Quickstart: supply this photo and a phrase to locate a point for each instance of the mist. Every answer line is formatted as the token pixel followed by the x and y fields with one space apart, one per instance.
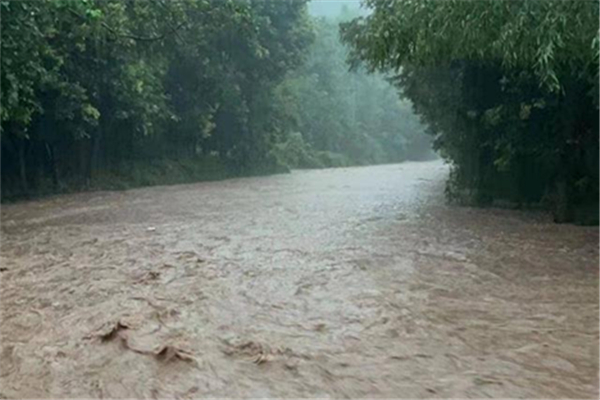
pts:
pixel 299 199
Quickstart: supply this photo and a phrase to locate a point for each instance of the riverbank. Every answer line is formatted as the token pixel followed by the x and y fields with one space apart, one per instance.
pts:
pixel 165 171
pixel 127 175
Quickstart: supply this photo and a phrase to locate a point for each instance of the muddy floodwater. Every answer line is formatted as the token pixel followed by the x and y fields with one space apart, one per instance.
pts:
pixel 353 282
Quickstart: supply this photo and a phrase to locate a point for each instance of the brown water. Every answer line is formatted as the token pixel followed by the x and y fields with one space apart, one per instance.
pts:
pixel 356 282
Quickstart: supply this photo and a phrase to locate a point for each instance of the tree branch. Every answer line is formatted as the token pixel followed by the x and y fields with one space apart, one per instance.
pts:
pixel 173 30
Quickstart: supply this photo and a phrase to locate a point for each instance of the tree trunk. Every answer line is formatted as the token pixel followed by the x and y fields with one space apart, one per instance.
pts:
pixel 94 155
pixel 561 210
pixel 22 166
pixel 83 167
pixel 571 112
pixel 53 166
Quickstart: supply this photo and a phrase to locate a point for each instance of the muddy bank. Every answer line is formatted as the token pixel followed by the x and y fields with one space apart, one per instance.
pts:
pixel 354 282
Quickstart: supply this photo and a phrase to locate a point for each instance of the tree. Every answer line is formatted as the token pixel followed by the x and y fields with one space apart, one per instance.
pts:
pixel 91 85
pixel 507 88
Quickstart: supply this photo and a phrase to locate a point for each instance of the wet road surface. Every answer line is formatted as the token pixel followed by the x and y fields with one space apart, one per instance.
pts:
pixel 355 282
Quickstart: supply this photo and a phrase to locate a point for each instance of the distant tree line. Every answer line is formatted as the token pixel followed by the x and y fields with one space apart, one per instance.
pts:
pixel 509 89
pixel 340 117
pixel 97 90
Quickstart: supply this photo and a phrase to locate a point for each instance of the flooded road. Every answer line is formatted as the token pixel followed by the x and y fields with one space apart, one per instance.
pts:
pixel 355 282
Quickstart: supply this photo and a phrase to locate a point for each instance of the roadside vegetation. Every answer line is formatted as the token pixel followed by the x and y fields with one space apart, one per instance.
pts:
pixel 113 94
pixel 509 90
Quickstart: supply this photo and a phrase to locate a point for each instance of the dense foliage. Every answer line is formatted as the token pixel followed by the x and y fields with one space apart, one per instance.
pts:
pixel 88 85
pixel 508 88
pixel 110 93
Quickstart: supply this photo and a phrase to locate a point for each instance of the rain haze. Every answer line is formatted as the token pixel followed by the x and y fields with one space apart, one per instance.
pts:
pixel 299 199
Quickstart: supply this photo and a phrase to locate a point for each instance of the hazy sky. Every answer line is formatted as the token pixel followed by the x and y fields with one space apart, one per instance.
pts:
pixel 330 8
